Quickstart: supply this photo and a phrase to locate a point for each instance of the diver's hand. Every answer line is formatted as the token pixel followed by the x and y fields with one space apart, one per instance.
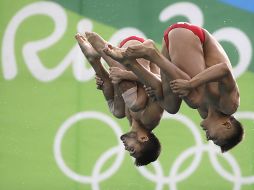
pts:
pixel 181 87
pixel 116 74
pixel 99 82
pixel 150 92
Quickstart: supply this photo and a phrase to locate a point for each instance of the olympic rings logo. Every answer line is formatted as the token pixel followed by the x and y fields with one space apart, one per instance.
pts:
pixel 174 176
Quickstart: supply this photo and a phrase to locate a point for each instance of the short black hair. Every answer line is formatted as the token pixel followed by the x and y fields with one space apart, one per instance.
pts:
pixel 150 151
pixel 236 137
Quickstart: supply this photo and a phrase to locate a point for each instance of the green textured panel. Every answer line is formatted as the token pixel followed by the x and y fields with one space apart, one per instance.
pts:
pixel 36 104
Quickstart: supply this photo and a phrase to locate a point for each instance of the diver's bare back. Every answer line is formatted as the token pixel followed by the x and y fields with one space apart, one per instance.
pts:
pixel 186 52
pixel 224 94
pixel 193 57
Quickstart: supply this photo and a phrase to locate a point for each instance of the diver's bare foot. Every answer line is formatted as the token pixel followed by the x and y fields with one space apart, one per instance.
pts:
pixel 96 41
pixel 144 50
pixel 87 49
pixel 115 53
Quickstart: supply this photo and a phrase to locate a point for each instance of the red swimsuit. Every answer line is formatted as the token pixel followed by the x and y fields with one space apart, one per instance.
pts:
pixel 195 29
pixel 131 38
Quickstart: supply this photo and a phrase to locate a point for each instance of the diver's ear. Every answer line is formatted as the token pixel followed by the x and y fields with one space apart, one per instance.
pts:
pixel 227 124
pixel 143 138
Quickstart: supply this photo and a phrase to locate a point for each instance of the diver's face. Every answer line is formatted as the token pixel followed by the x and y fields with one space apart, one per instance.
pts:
pixel 218 132
pixel 131 143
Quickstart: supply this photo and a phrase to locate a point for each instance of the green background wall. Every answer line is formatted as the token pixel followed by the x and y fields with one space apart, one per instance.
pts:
pixel 55 128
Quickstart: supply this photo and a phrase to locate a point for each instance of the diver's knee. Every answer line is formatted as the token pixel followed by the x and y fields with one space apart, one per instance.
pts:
pixel 119 114
pixel 131 100
pixel 140 102
pixel 151 124
pixel 116 112
pixel 152 120
pixel 172 110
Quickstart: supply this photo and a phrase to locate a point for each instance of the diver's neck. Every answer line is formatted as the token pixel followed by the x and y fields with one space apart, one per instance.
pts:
pixel 136 127
pixel 214 113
